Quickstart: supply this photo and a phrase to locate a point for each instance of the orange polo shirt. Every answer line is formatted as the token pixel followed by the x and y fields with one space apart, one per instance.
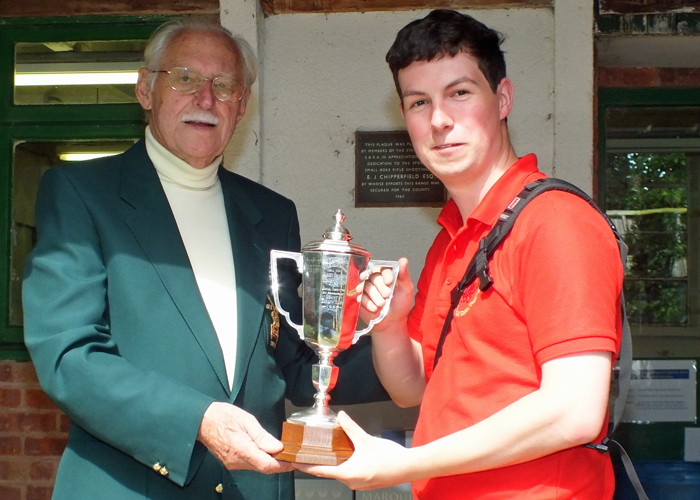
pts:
pixel 556 291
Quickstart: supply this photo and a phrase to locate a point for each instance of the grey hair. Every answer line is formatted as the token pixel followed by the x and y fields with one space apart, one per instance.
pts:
pixel 157 45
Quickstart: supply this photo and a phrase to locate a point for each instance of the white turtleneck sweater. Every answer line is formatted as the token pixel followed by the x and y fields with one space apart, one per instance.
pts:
pixel 197 201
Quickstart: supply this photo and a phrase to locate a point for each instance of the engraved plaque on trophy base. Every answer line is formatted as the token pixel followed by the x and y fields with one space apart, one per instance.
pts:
pixel 314 445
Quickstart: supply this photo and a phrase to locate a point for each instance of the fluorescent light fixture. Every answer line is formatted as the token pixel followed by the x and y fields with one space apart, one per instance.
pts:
pixel 86 156
pixel 58 74
pixel 81 78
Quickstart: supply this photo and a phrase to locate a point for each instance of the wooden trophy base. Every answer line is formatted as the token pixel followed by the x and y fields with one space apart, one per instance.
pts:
pixel 314 445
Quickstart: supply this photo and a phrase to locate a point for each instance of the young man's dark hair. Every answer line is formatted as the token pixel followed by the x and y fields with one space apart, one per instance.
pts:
pixel 446 33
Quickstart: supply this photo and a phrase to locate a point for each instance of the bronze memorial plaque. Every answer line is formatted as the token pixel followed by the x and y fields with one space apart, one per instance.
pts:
pixel 389 174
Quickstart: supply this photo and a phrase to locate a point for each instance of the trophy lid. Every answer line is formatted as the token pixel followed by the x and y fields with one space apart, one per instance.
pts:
pixel 336 239
pixel 337 232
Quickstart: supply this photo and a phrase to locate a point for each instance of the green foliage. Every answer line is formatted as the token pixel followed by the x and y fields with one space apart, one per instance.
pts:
pixel 656 282
pixel 654 302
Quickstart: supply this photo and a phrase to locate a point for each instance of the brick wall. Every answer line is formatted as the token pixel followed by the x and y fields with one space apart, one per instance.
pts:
pixel 33 434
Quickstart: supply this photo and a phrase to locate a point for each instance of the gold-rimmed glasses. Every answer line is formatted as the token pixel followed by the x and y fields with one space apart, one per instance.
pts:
pixel 225 88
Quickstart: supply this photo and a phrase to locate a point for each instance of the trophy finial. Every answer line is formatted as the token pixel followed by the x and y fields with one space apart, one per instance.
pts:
pixel 337 232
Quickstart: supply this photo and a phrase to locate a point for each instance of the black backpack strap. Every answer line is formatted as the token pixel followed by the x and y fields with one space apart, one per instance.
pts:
pixel 479 267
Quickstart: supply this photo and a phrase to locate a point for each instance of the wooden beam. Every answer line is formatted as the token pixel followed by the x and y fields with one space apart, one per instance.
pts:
pixel 327 6
pixel 647 6
pixel 57 8
pixel 648 77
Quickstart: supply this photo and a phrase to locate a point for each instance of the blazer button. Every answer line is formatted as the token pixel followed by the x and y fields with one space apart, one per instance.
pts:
pixel 220 488
pixel 160 468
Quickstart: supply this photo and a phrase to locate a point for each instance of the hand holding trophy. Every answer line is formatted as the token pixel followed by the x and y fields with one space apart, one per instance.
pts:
pixel 331 271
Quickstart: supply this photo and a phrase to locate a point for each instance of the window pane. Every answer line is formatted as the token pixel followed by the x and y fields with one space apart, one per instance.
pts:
pixel 647 198
pixel 656 302
pixel 92 72
pixel 31 160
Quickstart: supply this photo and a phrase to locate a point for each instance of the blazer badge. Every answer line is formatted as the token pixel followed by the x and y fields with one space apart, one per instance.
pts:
pixel 275 324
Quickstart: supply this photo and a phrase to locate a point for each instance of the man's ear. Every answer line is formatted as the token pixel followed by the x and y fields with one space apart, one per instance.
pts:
pixel 505 95
pixel 143 89
pixel 242 104
pixel 401 109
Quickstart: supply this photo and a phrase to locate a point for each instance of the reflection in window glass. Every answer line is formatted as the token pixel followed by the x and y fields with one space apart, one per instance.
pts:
pixel 647 198
pixel 31 160
pixel 647 195
pixel 88 72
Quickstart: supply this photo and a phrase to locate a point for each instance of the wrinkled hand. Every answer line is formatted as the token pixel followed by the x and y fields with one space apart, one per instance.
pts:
pixel 376 289
pixel 236 438
pixel 376 463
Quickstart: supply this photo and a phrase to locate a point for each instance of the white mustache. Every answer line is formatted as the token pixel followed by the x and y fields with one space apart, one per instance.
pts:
pixel 201 117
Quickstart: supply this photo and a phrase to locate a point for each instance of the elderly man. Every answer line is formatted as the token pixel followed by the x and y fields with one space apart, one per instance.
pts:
pixel 147 307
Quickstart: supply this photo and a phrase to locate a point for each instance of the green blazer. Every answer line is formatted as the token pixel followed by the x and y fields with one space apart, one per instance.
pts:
pixel 123 344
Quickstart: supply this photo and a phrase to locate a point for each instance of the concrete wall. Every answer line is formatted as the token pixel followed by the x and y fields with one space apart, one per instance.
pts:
pixel 323 77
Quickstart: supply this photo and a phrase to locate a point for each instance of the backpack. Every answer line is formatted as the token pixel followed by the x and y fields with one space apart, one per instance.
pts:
pixel 479 268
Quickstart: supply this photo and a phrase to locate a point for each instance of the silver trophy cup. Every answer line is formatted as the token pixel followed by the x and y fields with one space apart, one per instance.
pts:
pixel 331 271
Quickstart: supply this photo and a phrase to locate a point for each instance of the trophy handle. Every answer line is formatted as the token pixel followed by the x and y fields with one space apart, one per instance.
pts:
pixel 299 259
pixel 394 265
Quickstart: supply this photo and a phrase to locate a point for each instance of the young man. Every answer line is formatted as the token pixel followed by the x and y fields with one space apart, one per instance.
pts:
pixel 524 377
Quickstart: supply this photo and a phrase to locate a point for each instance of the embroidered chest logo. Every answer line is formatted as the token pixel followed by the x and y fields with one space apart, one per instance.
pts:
pixel 275 325
pixel 468 299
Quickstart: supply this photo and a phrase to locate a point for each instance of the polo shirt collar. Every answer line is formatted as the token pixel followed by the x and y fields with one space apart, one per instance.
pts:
pixel 495 200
